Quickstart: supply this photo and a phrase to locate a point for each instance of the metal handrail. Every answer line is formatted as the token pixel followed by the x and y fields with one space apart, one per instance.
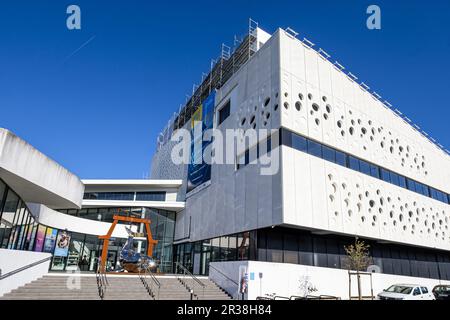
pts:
pixel 194 279
pixel 102 281
pixel 145 271
pixel 26 267
pixel 235 283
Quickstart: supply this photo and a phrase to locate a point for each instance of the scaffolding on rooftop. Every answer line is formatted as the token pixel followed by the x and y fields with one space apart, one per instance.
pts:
pixel 221 70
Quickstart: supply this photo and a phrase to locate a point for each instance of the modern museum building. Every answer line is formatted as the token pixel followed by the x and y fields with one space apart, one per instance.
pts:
pixel 319 159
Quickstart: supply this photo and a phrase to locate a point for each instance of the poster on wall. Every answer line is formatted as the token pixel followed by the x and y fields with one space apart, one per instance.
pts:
pixel 50 239
pixel 243 280
pixel 62 244
pixel 199 172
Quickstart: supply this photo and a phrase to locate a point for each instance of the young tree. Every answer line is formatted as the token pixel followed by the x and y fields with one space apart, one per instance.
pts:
pixel 358 256
pixel 358 259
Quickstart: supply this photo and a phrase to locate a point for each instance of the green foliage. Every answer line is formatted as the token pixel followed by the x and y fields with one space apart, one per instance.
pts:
pixel 358 257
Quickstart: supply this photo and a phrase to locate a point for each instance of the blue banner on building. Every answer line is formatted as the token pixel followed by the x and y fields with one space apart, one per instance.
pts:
pixel 199 172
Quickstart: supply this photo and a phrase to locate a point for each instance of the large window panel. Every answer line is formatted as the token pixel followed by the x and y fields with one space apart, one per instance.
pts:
pixel 314 148
pixel 353 163
pixel 328 154
pixel 299 143
pixel 320 252
pixel 290 248
pixel 274 247
pixel 306 256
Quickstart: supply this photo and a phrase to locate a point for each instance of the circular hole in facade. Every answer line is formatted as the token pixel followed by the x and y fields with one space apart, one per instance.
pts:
pixel 351 130
pixel 324 99
pixel 310 96
pixel 371 203
pixel 298 105
pixel 328 108
pixel 286 94
pixel 325 116
pixel 267 115
pixel 252 119
pixel 243 121
pixel 266 102
pixel 339 124
pixel 300 96
pixel 286 105
pixel 317 121
pixel 275 107
pixel 315 107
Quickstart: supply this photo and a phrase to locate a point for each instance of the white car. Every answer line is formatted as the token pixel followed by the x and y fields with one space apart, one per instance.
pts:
pixel 406 292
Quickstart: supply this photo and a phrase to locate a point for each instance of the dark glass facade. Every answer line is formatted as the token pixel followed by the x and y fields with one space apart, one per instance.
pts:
pixel 196 256
pixel 314 148
pixel 20 231
pixel 126 196
pixel 17 225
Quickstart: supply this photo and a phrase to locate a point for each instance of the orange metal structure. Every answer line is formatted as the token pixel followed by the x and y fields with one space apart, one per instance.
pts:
pixel 150 241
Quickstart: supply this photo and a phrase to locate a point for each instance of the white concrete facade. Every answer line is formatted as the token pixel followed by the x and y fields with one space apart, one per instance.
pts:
pixel 36 177
pixel 287 84
pixel 284 279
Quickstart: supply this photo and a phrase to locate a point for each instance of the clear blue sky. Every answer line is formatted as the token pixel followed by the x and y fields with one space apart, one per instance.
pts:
pixel 98 111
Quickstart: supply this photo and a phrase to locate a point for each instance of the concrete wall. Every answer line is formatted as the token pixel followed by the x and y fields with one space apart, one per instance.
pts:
pixel 35 177
pixel 375 127
pixel 242 200
pixel 11 260
pixel 55 219
pixel 286 279
pixel 321 195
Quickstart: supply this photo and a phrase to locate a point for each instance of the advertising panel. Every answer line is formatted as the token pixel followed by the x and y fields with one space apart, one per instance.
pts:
pixel 199 172
pixel 62 244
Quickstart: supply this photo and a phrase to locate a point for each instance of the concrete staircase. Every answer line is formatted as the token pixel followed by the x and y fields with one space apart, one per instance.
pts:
pixel 78 287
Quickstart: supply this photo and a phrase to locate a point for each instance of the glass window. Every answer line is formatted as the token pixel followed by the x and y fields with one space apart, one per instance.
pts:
pixel 341 158
pixel 385 175
pixel 314 148
pixel 328 154
pixel 2 194
pixel 320 252
pixel 122 196
pixel 151 196
pixel 305 250
pixel 374 171
pixel 274 246
pixel 262 243
pixel 286 137
pixel 224 112
pixel 243 242
pixel 394 179
pixel 411 185
pixel 402 181
pixel 416 291
pixel 424 290
pixel 299 143
pixel 50 240
pixel 290 248
pixel 8 217
pixel 40 237
pixel 364 167
pixel 353 163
